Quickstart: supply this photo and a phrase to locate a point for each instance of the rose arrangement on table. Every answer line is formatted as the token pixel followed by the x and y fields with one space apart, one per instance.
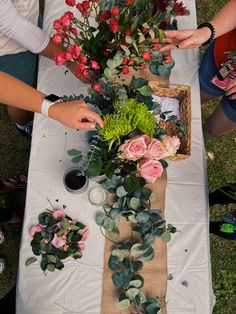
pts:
pixel 56 237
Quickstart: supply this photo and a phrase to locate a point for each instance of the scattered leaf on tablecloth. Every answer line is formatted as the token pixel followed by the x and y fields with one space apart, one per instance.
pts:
pixel 170 277
pixel 210 156
pixel 30 261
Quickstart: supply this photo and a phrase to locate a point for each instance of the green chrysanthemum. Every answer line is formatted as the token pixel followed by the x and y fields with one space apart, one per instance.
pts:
pixel 128 116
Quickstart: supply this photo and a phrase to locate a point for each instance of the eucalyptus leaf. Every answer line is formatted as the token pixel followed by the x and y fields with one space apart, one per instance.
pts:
pixel 51 267
pixel 124 304
pixel 135 203
pixel 166 236
pixel 30 261
pixel 126 50
pixel 131 293
pixel 116 280
pixel 51 259
pixel 114 263
pixel 76 159
pixel 143 216
pixel 135 283
pixel 119 254
pixel 100 218
pixel 113 234
pixel 121 192
pixel 145 90
pixel 149 238
pixel 74 152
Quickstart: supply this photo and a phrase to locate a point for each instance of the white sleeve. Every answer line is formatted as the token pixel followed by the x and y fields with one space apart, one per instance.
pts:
pixel 19 29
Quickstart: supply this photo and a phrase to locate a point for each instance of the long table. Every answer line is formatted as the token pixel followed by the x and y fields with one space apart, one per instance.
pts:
pixel 78 287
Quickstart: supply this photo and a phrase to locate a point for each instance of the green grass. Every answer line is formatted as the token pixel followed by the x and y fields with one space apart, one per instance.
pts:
pixel 14 151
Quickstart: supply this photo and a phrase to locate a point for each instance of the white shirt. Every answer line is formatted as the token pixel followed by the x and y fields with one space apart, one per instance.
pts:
pixel 18 27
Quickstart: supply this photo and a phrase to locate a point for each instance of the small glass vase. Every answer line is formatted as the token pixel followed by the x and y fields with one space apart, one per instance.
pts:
pixel 74 182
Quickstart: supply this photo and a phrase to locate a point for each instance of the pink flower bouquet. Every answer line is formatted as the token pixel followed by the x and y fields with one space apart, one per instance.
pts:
pixel 56 237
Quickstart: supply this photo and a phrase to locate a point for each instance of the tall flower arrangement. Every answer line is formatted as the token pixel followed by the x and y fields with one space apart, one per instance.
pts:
pixel 93 33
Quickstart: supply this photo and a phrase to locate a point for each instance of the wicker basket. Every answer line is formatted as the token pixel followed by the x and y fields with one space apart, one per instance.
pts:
pixel 183 94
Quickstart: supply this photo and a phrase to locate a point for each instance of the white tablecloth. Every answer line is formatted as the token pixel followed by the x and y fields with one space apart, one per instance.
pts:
pixel 77 288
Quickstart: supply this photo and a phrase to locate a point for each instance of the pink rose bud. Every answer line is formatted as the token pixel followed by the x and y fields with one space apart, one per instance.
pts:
pixel 150 170
pixel 97 87
pixel 85 233
pixel 75 51
pixel 59 58
pixel 57 24
pixel 65 21
pixel 81 245
pixel 70 15
pixel 70 2
pixel 56 39
pixel 94 65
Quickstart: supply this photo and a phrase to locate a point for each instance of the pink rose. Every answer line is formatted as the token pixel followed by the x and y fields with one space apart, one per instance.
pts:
pixel 35 229
pixel 75 51
pixel 171 144
pixel 135 148
pixel 65 20
pixel 58 213
pixel 150 170
pixel 85 233
pixel 155 150
pixel 58 242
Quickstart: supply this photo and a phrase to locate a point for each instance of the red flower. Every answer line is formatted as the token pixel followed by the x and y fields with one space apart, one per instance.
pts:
pixel 97 87
pixel 114 26
pixel 70 15
pixel 82 59
pixel 105 16
pixel 125 60
pixel 168 59
pixel 70 2
pixel 115 11
pixel 56 39
pixel 128 32
pixel 128 2
pixel 94 65
pixel 57 24
pixel 75 51
pixel 155 47
pixel 147 55
pixel 59 58
pixel 125 70
pixel 74 30
pixel 80 7
pixel 65 20
pixel 86 4
pixel 142 65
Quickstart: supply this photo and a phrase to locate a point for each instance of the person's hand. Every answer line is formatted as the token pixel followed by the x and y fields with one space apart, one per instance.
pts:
pixel 231 90
pixel 75 114
pixel 188 38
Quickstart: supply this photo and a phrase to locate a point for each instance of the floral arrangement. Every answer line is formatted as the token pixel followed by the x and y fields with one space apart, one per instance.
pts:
pixel 56 237
pixel 92 35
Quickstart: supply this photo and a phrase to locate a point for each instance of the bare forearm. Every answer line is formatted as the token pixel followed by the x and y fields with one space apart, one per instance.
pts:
pixel 51 49
pixel 225 20
pixel 17 94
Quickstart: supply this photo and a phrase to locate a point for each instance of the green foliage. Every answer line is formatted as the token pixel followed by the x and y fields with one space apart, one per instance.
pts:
pixel 128 116
pixel 132 202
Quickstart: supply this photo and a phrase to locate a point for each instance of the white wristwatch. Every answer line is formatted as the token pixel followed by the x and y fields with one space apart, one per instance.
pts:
pixel 49 101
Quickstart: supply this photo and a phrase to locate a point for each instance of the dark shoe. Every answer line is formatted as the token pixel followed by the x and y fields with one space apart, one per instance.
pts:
pixel 225 195
pixel 27 131
pixel 223 230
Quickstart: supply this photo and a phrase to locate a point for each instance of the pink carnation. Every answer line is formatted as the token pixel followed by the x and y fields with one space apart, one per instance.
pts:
pixel 35 229
pixel 150 170
pixel 135 148
pixel 171 144
pixel 58 213
pixel 155 150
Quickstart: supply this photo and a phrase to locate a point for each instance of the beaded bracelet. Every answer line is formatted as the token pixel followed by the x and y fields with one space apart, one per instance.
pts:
pixel 212 29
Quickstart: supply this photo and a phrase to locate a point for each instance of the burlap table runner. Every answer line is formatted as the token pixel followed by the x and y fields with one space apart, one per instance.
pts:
pixel 154 271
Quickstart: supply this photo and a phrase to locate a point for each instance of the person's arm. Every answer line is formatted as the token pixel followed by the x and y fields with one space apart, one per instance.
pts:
pixel 74 114
pixel 223 22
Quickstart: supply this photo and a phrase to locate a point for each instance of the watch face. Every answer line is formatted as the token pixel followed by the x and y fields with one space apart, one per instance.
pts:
pixel 52 98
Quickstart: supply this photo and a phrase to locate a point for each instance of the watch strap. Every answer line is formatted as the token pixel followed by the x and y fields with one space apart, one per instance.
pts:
pixel 49 101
